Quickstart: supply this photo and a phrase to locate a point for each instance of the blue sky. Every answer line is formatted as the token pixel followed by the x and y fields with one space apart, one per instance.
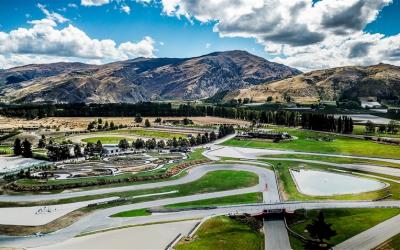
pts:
pixel 179 28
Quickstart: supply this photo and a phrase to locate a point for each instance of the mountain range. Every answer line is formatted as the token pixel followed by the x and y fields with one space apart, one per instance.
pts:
pixel 227 75
pixel 141 79
pixel 352 82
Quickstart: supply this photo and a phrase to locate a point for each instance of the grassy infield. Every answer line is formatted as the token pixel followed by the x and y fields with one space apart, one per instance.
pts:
pixel 346 222
pixel 224 233
pixel 339 145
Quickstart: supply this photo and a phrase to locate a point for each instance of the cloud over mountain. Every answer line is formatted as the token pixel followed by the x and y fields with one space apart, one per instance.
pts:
pixel 302 33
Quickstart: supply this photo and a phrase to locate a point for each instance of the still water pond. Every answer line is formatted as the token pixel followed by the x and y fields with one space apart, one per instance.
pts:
pixel 322 183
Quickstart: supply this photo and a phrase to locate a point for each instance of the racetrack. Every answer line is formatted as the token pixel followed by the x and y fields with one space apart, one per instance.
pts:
pixel 100 219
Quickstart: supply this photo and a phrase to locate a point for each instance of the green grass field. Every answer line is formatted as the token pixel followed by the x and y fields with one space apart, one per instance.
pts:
pixel 346 222
pixel 228 200
pixel 132 213
pixel 150 133
pixel 223 233
pixel 339 145
pixel 360 130
pixel 105 139
pixel 6 150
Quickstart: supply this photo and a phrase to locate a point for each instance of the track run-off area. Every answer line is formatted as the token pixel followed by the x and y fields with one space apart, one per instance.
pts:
pixel 247 159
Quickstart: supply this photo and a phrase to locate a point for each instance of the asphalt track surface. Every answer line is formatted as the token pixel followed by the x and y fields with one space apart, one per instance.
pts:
pixel 193 174
pixel 100 220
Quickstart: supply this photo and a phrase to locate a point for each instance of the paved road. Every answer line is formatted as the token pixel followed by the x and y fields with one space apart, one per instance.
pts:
pixel 193 174
pixel 155 236
pixel 100 220
pixel 373 236
pixel 276 235
pixel 218 151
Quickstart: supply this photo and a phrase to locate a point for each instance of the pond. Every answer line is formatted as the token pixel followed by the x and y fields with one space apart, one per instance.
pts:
pixel 323 183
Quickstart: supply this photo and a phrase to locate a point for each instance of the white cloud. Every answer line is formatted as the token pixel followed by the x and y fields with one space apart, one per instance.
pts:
pixel 208 45
pixel 126 9
pixel 143 1
pixel 45 42
pixel 144 48
pixel 72 5
pixel 52 15
pixel 299 33
pixel 94 2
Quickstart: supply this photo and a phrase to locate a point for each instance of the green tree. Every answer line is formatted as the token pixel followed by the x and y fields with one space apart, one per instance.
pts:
pixel 269 99
pixel 138 144
pixel 77 150
pixel 320 230
pixel 42 142
pixel 99 147
pixel 370 127
pixel 161 144
pixel 203 139
pixel 157 120
pixel 26 148
pixel 17 147
pixel 382 128
pixel 174 142
pixel 151 144
pixel 192 141
pixel 138 118
pixel 112 125
pixel 186 121
pixel 90 126
pixel 213 136
pixel 393 127
pixel 198 139
pixel 123 144
pixel 147 123
pixel 183 142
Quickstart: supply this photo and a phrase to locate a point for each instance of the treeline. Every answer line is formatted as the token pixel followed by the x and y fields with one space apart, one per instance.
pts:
pixel 279 117
pixel 282 117
pixel 322 122
pixel 31 111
